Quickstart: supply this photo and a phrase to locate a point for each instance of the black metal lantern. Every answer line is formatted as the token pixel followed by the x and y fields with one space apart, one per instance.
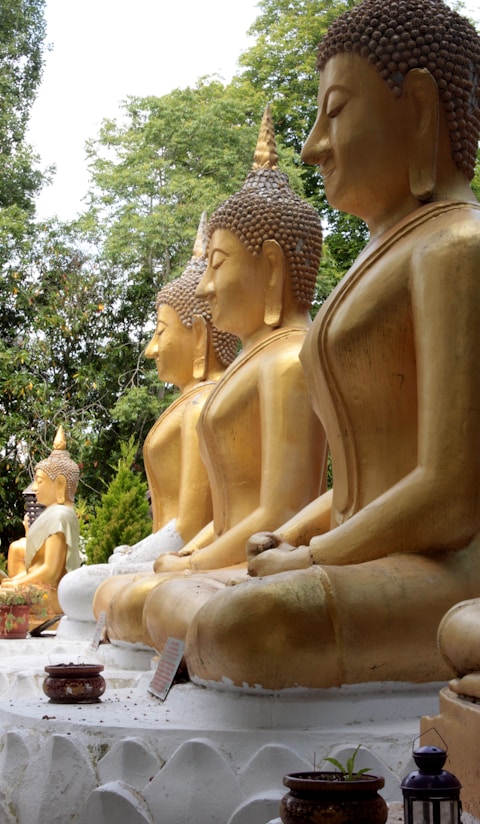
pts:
pixel 32 508
pixel 431 795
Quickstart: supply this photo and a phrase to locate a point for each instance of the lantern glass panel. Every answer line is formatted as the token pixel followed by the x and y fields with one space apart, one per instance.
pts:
pixel 434 811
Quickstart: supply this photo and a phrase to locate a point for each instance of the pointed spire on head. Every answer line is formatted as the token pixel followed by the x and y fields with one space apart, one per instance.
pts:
pixel 266 156
pixel 201 240
pixel 60 442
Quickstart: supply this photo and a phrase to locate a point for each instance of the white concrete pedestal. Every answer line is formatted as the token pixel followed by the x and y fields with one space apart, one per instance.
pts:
pixel 200 757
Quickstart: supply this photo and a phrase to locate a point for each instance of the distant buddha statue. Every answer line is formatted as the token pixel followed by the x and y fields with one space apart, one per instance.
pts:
pixel 52 540
pixel 190 353
pixel 264 449
pixel 352 588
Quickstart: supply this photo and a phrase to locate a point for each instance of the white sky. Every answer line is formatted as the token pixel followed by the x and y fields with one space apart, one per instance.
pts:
pixel 105 50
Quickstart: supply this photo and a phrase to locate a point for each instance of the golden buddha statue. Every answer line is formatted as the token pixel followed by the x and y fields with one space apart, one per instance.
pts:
pixel 190 353
pixel 352 588
pixel 52 540
pixel 263 447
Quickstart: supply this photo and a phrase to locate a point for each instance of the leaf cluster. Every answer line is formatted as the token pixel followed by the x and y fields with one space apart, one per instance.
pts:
pixel 348 770
pixel 122 517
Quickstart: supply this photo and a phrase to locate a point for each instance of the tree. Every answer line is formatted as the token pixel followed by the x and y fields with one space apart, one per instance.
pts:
pixel 64 360
pixel 22 36
pixel 122 516
pixel 156 171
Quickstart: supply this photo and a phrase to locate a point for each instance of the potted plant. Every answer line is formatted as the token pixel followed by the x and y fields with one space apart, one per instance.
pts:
pixel 344 796
pixel 16 604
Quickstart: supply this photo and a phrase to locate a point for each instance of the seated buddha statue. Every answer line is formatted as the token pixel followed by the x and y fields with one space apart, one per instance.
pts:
pixel 51 547
pixel 262 445
pixel 352 588
pixel 190 353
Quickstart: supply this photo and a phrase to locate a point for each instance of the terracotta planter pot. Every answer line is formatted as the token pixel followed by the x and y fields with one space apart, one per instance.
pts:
pixel 328 798
pixel 74 683
pixel 14 620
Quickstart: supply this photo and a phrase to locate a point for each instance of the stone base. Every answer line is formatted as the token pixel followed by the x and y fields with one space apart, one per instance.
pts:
pixel 200 756
pixel 459 725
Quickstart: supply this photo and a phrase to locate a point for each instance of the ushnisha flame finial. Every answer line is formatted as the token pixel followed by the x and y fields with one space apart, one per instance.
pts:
pixel 60 442
pixel 201 240
pixel 266 156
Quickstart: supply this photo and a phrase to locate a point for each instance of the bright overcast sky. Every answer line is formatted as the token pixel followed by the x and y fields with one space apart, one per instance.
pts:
pixel 103 51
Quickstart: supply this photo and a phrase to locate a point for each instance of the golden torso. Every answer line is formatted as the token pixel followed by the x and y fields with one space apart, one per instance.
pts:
pixel 234 425
pixel 361 358
pixel 167 448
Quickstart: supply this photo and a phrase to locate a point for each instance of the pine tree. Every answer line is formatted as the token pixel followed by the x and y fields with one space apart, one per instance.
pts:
pixel 122 516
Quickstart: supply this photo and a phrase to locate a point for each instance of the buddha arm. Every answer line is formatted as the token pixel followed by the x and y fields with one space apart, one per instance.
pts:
pixel 194 499
pixel 293 451
pixel 48 565
pixel 437 505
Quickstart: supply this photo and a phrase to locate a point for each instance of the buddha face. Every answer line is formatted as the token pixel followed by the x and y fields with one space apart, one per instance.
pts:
pixel 234 285
pixel 172 347
pixel 360 143
pixel 45 488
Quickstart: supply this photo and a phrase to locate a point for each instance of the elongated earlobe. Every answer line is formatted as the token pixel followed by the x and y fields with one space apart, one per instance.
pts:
pixel 275 280
pixel 201 334
pixel 422 95
pixel 61 488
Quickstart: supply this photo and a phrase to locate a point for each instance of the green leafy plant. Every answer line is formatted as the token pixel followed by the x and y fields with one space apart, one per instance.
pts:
pixel 22 594
pixel 348 769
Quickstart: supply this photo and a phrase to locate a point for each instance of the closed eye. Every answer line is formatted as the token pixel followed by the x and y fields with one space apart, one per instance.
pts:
pixel 335 111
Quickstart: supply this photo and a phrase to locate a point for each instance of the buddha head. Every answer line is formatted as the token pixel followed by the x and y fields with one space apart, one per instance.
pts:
pixel 56 477
pixel 186 342
pixel 262 229
pixel 421 122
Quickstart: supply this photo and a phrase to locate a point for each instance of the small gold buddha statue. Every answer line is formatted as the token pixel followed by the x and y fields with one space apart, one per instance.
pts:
pixel 52 541
pixel 262 445
pixel 352 588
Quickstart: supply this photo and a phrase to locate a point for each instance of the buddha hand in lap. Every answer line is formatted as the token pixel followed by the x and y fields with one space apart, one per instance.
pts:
pixel 356 584
pixel 53 538
pixel 263 447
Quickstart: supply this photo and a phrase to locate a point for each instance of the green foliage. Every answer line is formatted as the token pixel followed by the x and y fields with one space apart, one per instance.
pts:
pixel 22 36
pixel 476 180
pixel 156 171
pixel 348 769
pixel 122 516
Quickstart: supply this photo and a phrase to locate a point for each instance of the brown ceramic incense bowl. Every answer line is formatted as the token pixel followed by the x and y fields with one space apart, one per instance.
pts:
pixel 74 683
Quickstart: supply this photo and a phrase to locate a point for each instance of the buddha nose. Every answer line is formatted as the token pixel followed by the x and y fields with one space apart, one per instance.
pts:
pixel 151 350
pixel 317 146
pixel 205 287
